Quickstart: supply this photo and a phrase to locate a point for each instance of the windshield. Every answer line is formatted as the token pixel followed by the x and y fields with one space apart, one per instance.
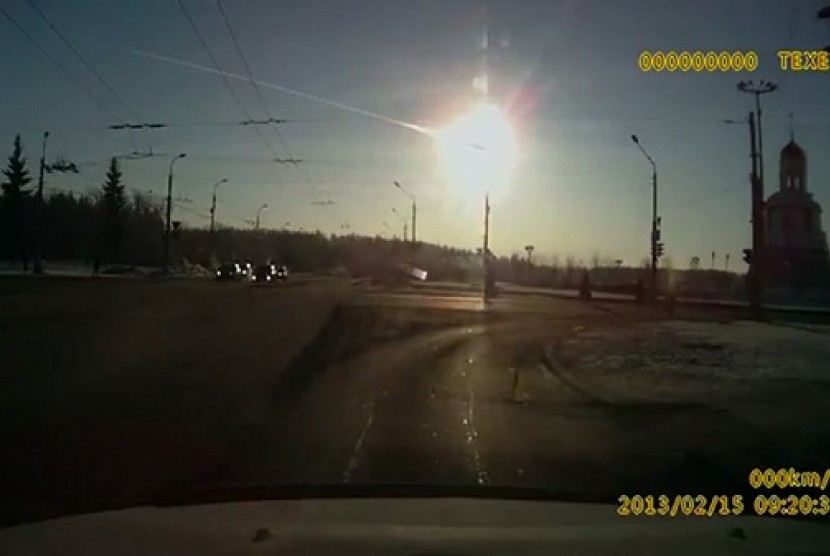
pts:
pixel 569 246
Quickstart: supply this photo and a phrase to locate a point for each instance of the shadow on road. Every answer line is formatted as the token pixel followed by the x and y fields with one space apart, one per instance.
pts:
pixel 352 330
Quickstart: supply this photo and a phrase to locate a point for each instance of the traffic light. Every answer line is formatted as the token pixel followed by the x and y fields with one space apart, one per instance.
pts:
pixel 659 248
pixel 748 256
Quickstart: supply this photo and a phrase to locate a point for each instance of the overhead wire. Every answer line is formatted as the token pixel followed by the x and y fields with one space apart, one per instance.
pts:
pixel 218 68
pixel 90 68
pixel 250 75
pixel 190 210
pixel 68 74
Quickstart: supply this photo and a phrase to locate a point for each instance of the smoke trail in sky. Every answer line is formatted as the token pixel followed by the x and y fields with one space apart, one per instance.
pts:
pixel 183 63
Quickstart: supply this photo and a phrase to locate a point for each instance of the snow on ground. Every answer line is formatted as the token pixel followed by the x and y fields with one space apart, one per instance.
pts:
pixel 689 360
pixel 80 269
pixel 52 268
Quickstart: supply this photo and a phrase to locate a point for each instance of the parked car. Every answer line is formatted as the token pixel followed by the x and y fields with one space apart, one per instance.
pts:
pixel 264 274
pixel 229 271
pixel 247 268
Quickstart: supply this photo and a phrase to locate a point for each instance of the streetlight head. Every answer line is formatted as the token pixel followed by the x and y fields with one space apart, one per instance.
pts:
pixel 224 180
pixel 397 184
pixel 634 138
pixel 182 155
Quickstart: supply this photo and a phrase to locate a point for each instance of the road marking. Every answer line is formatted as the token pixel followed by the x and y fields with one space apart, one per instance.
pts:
pixel 358 445
pixel 472 435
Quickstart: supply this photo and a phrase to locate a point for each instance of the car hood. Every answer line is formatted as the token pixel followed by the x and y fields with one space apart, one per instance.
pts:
pixel 407 526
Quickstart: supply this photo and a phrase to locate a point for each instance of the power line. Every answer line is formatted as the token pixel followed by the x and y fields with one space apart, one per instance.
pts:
pixel 160 125
pixel 290 158
pixel 68 74
pixel 85 63
pixel 258 90
pixel 251 78
pixel 222 75
pixel 193 212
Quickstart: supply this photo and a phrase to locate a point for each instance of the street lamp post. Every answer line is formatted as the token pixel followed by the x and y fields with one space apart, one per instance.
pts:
pixel 757 262
pixel 213 204
pixel 655 231
pixel 758 89
pixel 755 274
pixel 169 207
pixel 824 13
pixel 414 209
pixel 403 220
pixel 258 213
pixel 487 288
pixel 37 265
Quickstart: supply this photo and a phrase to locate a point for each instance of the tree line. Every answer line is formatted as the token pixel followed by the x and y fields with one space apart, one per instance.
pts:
pixel 108 225
pixel 111 226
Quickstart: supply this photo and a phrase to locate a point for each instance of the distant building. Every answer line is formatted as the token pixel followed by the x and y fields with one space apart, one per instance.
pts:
pixel 797 252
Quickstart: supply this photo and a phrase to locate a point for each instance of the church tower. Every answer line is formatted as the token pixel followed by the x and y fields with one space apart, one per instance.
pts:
pixel 793 167
pixel 797 251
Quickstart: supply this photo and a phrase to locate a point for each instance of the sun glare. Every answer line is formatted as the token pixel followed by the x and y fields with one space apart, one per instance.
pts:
pixel 478 150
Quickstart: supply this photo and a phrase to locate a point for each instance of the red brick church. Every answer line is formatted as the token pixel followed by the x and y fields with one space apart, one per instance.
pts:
pixel 796 245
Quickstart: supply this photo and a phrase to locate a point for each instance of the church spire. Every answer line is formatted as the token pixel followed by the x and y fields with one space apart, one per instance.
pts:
pixel 793 165
pixel 792 129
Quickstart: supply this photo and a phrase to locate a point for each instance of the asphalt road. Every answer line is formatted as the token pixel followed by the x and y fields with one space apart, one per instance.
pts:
pixel 391 389
pixel 446 407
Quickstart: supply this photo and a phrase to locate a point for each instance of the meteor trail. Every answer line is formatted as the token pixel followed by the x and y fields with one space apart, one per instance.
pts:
pixel 183 63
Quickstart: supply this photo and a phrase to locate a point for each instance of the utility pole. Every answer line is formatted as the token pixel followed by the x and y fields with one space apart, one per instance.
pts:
pixel 757 259
pixel 758 89
pixel 59 165
pixel 37 264
pixel 403 220
pixel 169 208
pixel 213 204
pixel 258 213
pixel 414 209
pixel 726 262
pixel 655 220
pixel 824 13
pixel 485 252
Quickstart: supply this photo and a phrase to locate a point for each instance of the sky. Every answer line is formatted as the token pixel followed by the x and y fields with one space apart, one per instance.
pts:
pixel 564 71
